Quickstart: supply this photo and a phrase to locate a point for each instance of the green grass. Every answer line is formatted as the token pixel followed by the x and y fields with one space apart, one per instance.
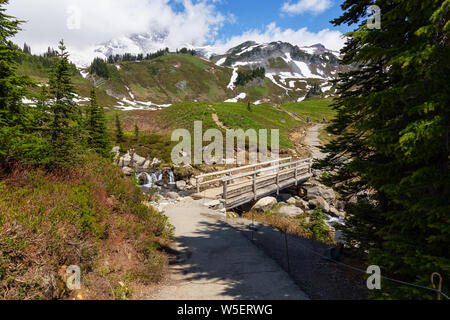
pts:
pixel 314 109
pixel 38 68
pixel 156 80
pixel 233 116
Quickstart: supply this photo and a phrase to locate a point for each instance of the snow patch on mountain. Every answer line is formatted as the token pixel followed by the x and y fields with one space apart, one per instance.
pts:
pixel 241 96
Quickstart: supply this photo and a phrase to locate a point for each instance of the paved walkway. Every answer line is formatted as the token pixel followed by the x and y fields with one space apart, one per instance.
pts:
pixel 219 263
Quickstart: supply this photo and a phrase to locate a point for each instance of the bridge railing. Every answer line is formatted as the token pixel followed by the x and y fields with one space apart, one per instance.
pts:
pixel 280 174
pixel 200 179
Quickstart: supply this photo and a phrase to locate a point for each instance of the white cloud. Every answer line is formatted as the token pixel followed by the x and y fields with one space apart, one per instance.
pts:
pixel 330 39
pixel 314 6
pixel 48 21
pixel 193 22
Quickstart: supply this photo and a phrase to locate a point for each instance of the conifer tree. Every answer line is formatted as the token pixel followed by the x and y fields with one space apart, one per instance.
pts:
pixel 65 126
pixel 96 126
pixel 14 115
pixel 136 132
pixel 393 124
pixel 119 133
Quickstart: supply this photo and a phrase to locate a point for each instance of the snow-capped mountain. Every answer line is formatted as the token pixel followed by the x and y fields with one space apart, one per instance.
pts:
pixel 289 67
pixel 134 44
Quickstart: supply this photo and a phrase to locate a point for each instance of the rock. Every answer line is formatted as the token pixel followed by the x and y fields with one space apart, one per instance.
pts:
pixel 127 171
pixel 328 194
pixel 232 215
pixel 302 204
pixel 291 211
pixel 333 211
pixel 138 160
pixel 125 161
pixel 193 182
pixel 215 205
pixel 181 185
pixel 172 195
pixel 146 165
pixel 264 204
pixel 321 191
pixel 115 150
pixel 320 203
pixel 316 173
pixel 313 193
pixel 156 162
pixel 340 205
pixel 292 201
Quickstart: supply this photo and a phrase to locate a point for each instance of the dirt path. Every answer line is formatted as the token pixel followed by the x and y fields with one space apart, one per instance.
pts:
pixel 313 142
pixel 219 263
pixel 218 122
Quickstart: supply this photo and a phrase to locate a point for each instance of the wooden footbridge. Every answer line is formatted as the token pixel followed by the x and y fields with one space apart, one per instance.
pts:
pixel 242 185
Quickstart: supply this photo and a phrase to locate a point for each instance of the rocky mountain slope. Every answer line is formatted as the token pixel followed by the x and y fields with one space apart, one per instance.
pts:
pixel 292 74
pixel 297 71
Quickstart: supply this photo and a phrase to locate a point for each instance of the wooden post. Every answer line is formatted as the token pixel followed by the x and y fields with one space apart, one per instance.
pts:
pixel 254 186
pixel 278 182
pixel 296 176
pixel 225 190
pixel 198 185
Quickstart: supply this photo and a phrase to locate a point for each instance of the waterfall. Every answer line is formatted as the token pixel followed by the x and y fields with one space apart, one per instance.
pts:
pixel 171 178
pixel 151 179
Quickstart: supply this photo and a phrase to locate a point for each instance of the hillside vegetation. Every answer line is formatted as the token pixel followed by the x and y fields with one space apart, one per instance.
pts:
pixel 90 216
pixel 316 110
pixel 167 79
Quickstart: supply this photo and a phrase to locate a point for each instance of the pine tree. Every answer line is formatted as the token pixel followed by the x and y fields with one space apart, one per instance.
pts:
pixel 97 129
pixel 14 116
pixel 136 132
pixel 119 133
pixel 393 123
pixel 65 126
pixel 26 49
pixel 100 68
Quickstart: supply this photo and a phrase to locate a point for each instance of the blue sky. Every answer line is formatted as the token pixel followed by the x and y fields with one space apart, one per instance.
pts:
pixel 256 14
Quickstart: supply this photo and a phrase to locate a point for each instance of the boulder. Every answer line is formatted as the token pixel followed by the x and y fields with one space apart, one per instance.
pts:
pixel 291 211
pixel 328 194
pixel 313 193
pixel 333 211
pixel 215 205
pixel 181 185
pixel 320 203
pixel 172 195
pixel 146 165
pixel 138 160
pixel 264 204
pixel 193 182
pixel 302 204
pixel 127 171
pixel 125 161
pixel 321 191
pixel 156 162
pixel 292 201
